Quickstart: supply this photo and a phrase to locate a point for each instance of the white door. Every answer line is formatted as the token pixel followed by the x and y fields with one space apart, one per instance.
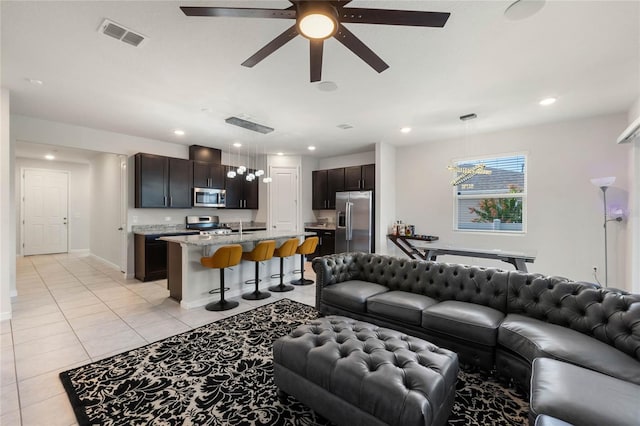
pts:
pixel 283 198
pixel 45 211
pixel 124 235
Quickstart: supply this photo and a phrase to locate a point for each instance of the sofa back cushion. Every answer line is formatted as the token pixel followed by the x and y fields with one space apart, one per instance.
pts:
pixel 440 281
pixel 610 316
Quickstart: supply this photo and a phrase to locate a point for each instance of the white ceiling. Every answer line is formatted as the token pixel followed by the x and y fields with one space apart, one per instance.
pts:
pixel 587 53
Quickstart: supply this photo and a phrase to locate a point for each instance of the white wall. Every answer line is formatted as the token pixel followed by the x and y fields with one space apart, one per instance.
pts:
pixel 7 211
pixel 309 164
pixel 633 246
pixel 385 196
pixel 79 199
pixel 105 208
pixel 347 160
pixel 564 209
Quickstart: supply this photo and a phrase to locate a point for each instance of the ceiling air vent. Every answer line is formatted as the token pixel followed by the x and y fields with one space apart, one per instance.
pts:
pixel 121 33
pixel 249 125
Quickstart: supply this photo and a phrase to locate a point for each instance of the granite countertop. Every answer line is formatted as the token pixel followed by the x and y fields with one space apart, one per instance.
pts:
pixel 321 226
pixel 161 229
pixel 246 237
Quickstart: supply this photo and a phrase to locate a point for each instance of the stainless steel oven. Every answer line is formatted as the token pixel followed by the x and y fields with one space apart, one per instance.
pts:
pixel 208 197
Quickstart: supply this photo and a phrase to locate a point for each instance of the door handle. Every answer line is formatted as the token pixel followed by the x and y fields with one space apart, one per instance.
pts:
pixel 170 201
pixel 120 229
pixel 165 201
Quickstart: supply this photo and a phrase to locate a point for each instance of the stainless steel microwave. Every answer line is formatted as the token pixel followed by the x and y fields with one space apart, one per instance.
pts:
pixel 208 197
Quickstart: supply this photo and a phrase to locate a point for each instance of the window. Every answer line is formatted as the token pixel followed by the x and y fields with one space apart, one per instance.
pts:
pixel 490 194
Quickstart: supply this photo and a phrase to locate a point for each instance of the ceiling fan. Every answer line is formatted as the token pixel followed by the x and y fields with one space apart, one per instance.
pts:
pixel 318 20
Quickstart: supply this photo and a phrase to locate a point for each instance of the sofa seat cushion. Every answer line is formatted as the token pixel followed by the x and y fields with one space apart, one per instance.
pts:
pixel 351 295
pixel 462 320
pixel 400 305
pixel 531 338
pixel 582 397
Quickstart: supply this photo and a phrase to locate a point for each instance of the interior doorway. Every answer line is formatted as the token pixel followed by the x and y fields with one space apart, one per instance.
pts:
pixel 45 211
pixel 283 198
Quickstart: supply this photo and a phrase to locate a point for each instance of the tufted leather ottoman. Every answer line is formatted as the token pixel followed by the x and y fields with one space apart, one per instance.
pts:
pixel 356 373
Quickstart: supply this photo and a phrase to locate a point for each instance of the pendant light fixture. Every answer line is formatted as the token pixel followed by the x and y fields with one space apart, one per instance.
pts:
pixel 230 173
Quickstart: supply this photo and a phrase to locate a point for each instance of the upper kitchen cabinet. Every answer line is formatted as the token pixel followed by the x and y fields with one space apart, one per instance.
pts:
pixel 360 178
pixel 162 181
pixel 242 194
pixel 205 154
pixel 325 184
pixel 208 175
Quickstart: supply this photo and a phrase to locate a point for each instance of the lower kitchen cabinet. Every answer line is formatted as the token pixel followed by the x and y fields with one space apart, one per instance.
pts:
pixel 326 243
pixel 151 256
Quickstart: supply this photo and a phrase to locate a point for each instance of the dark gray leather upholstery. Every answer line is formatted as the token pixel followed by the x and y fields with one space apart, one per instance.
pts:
pixel 352 295
pixel 466 321
pixel 440 281
pixel 377 372
pixel 596 329
pixel 531 338
pixel 543 420
pixel 582 397
pixel 609 316
pixel 400 306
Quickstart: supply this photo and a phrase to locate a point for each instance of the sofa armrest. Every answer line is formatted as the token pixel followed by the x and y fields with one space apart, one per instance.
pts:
pixel 333 269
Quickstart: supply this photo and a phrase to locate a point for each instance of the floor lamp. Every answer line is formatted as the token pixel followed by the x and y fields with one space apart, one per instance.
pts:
pixel 603 183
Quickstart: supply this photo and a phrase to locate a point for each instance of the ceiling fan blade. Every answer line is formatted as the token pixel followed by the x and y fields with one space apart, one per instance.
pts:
pixel 315 54
pixel 393 17
pixel 272 46
pixel 239 12
pixel 354 44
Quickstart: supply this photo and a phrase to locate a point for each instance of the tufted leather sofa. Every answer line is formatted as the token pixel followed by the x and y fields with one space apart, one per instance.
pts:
pixel 493 319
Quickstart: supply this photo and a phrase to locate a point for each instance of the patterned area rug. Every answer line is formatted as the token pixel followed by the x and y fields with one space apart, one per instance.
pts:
pixel 221 374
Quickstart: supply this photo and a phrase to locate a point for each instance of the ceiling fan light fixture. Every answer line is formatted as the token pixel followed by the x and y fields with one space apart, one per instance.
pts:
pixel 317 21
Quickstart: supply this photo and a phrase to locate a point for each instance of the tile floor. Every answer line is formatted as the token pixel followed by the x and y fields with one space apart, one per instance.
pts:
pixel 72 310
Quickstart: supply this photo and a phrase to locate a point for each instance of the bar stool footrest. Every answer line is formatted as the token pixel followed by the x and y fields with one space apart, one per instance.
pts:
pixel 217 290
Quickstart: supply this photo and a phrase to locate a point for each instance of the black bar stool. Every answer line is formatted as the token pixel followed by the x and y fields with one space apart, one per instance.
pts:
pixel 287 249
pixel 261 252
pixel 224 257
pixel 307 247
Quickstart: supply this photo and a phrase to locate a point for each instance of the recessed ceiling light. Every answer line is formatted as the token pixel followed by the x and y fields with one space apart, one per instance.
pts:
pixel 237 144
pixel 280 153
pixel 311 148
pixel 35 81
pixel 179 132
pixel 548 101
pixel 405 129
pixel 50 157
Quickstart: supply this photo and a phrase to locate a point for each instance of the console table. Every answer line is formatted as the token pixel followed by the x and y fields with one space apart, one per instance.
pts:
pixel 431 251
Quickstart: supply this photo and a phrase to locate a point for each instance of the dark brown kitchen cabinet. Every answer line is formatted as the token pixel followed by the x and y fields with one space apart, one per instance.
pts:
pixel 150 258
pixel 325 184
pixel 208 175
pixel 242 194
pixel 326 243
pixel 162 181
pixel 360 178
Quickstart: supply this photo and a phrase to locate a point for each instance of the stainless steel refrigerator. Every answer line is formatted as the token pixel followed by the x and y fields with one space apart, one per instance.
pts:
pixel 354 221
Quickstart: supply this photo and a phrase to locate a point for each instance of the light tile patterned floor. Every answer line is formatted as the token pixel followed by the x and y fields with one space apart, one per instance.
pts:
pixel 73 309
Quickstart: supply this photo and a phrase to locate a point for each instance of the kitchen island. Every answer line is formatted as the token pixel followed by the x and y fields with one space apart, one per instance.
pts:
pixel 189 282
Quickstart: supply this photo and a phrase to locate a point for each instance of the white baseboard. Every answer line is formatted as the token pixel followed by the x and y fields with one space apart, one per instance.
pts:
pixel 79 251
pixel 129 276
pixel 5 316
pixel 13 293
pixel 105 261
